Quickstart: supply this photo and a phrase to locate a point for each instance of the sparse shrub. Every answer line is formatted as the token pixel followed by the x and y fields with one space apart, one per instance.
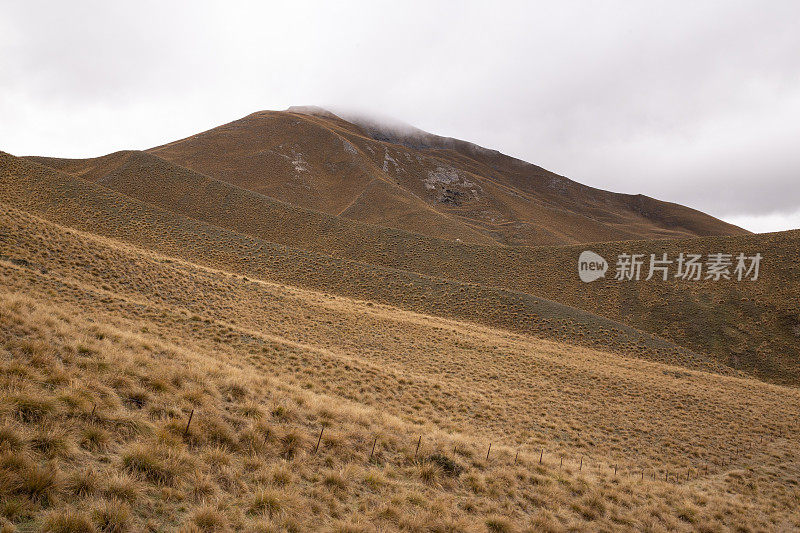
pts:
pixel 156 464
pixel 334 480
pixel 30 409
pixel 122 487
pixel 10 438
pixel 39 482
pixel 51 442
pixel 267 501
pixel 112 516
pixel 208 518
pixel 81 483
pixel 498 524
pixel 67 521
pixel 94 438
pixel 448 466
pixel 291 443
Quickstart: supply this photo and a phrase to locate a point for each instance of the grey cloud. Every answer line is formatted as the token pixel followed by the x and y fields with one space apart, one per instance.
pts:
pixel 694 102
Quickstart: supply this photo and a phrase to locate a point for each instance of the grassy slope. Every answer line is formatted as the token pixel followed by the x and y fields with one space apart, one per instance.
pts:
pixel 105 348
pixel 87 206
pixel 327 164
pixel 313 166
pixel 750 326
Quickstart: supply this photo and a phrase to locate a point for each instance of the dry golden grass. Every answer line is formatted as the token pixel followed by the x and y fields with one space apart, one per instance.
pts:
pixel 427 184
pixel 106 349
pixel 753 327
pixel 79 204
pixel 238 469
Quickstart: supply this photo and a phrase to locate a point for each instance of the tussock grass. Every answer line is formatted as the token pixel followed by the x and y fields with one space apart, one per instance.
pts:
pixel 158 464
pixel 456 385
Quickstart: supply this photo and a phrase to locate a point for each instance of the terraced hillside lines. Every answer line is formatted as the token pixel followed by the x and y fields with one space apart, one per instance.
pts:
pixel 314 159
pixel 98 382
pixel 83 205
pixel 759 337
pixel 307 164
pixel 297 328
pixel 518 387
pixel 115 454
pixel 749 325
pixel 151 179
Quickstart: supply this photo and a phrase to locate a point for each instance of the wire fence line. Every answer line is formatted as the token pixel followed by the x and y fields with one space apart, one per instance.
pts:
pixel 547 459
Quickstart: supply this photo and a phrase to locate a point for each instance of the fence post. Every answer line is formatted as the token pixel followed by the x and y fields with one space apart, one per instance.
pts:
pixel 186 431
pixel 373 447
pixel 488 451
pixel 540 456
pixel 516 457
pixel 418 443
pixel 581 466
pixel 319 439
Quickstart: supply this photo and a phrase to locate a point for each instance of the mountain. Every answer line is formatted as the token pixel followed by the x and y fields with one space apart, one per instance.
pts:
pixel 87 206
pixel 301 322
pixel 422 183
pixel 148 384
pixel 704 317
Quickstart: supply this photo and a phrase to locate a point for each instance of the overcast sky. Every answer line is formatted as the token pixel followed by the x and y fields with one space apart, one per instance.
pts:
pixel 692 102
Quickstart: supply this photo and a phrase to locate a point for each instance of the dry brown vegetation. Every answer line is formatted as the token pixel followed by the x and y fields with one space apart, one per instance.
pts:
pixel 754 327
pixel 429 185
pixel 80 204
pixel 98 384
pixel 182 353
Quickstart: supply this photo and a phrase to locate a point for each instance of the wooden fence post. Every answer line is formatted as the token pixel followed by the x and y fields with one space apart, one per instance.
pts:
pixel 488 451
pixel 319 439
pixel 373 447
pixel 186 431
pixel 418 443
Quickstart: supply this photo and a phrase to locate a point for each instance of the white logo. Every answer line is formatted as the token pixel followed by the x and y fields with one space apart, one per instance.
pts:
pixel 686 267
pixel 591 266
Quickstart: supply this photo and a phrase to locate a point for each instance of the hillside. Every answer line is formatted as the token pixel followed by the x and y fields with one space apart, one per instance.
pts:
pixel 296 322
pixel 109 349
pixel 759 337
pixel 423 184
pixel 84 205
